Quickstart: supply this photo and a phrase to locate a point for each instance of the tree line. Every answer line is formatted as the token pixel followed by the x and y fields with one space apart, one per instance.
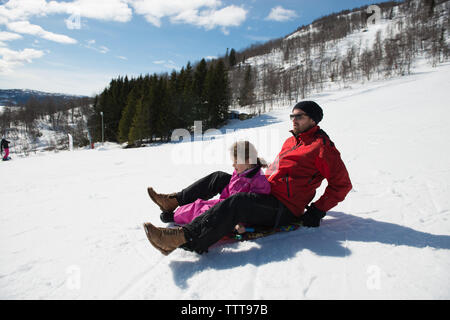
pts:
pixel 148 108
pixel 24 122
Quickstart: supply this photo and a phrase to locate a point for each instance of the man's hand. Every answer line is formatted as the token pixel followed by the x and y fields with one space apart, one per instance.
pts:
pixel 312 217
pixel 240 228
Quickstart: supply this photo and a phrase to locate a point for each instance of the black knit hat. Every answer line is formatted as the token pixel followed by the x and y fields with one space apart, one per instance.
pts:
pixel 312 109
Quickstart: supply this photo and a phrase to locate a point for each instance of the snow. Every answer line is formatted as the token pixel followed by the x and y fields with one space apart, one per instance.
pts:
pixel 71 222
pixel 358 40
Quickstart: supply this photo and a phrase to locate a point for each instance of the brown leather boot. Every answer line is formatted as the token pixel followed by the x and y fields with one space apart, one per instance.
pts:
pixel 166 202
pixel 165 239
pixel 164 252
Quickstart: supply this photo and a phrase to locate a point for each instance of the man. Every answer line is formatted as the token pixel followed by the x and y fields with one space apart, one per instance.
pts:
pixel 305 159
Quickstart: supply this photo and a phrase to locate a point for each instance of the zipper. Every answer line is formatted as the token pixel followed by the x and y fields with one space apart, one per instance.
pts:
pixel 286 152
pixel 287 185
pixel 313 177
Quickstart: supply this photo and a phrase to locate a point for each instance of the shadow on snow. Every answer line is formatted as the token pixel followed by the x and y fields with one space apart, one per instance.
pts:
pixel 328 240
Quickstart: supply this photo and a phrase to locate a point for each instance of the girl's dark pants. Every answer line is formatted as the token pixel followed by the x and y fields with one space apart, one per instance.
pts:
pixel 258 210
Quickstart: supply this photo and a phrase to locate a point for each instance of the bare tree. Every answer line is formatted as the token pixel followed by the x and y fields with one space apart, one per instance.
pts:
pixel 366 63
pixel 378 52
pixel 246 92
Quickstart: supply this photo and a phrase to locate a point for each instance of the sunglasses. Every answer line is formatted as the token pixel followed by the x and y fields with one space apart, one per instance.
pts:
pixel 297 116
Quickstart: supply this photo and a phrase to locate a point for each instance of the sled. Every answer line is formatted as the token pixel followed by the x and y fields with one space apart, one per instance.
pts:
pixel 259 233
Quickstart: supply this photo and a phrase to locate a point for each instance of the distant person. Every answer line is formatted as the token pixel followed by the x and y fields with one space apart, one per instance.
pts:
pixel 5 146
pixel 305 160
pixel 247 177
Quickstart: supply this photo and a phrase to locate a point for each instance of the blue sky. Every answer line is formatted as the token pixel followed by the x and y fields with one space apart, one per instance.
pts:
pixel 78 46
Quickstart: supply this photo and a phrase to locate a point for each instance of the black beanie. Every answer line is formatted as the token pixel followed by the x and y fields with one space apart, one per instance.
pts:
pixel 312 109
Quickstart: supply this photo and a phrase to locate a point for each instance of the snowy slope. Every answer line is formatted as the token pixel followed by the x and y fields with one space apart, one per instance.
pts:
pixel 327 58
pixel 70 223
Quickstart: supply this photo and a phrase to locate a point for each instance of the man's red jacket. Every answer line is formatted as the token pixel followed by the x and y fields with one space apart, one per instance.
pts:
pixel 304 161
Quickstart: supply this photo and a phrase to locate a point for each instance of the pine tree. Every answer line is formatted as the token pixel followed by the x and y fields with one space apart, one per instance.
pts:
pixel 217 93
pixel 175 98
pixel 188 100
pixel 224 92
pixel 232 58
pixel 140 128
pixel 208 93
pixel 199 90
pixel 158 112
pixel 128 115
pixel 165 110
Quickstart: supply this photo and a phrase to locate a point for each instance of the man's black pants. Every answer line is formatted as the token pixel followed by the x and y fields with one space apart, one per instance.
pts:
pixel 259 210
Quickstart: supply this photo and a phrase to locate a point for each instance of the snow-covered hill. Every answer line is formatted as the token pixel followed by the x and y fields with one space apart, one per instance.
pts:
pixel 20 96
pixel 71 223
pixel 341 50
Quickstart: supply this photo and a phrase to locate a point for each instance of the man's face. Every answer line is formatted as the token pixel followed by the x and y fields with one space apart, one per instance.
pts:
pixel 301 122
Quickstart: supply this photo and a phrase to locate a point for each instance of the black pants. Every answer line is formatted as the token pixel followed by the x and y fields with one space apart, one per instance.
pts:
pixel 257 210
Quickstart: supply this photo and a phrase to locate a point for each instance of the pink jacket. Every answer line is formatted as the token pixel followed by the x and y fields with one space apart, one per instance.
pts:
pixel 238 183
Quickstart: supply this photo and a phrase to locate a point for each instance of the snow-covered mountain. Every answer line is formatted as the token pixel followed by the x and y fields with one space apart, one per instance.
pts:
pixel 13 97
pixel 71 222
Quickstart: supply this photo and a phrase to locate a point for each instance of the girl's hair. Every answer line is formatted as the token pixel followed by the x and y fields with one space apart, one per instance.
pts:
pixel 245 152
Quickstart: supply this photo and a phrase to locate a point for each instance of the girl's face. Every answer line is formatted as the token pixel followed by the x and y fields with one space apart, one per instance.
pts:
pixel 241 167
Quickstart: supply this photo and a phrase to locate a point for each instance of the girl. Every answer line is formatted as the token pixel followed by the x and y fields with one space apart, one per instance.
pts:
pixel 247 177
pixel 5 145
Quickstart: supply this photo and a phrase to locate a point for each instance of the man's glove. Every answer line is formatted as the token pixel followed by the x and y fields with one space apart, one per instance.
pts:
pixel 312 217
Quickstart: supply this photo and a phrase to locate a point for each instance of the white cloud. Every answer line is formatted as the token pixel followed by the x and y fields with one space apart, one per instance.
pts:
pixel 90 45
pixel 7 36
pixel 15 14
pixel 25 27
pixel 280 14
pixel 230 16
pixel 111 10
pixel 155 10
pixel 201 13
pixel 103 49
pixel 122 58
pixel 14 10
pixel 169 64
pixel 25 55
pixel 10 59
